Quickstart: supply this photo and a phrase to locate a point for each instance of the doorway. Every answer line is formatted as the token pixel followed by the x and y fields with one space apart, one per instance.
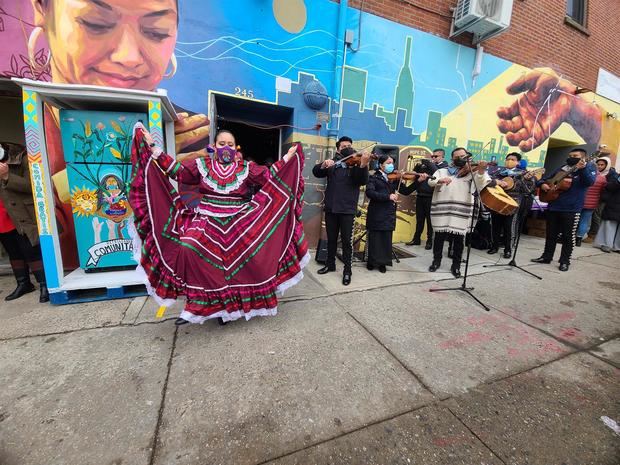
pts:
pixel 257 126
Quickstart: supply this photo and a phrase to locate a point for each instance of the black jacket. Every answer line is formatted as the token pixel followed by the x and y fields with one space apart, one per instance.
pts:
pixel 381 214
pixel 343 187
pixel 611 197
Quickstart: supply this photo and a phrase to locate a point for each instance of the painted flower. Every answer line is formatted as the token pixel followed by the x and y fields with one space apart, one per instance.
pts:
pixel 116 153
pixel 117 128
pixel 122 118
pixel 100 125
pixel 111 135
pixel 87 129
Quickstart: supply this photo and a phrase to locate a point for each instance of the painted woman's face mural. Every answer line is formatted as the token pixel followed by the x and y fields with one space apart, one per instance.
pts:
pixel 117 43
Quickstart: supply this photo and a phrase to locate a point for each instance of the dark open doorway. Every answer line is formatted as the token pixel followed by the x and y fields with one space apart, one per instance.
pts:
pixel 257 126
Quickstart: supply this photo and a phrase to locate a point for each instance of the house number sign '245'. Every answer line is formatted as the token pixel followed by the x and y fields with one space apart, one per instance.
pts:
pixel 249 93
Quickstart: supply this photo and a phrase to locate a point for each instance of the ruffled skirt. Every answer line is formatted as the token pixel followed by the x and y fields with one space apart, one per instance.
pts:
pixel 227 267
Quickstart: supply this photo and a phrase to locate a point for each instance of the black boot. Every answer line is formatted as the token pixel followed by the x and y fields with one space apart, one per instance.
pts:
pixel 44 294
pixel 578 241
pixel 414 241
pixel 24 286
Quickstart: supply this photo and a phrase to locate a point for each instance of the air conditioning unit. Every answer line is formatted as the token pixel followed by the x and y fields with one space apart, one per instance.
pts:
pixel 483 18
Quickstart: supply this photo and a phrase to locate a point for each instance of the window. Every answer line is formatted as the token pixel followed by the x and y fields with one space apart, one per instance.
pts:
pixel 577 10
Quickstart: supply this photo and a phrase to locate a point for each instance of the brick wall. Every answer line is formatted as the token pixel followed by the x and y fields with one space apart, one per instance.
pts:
pixel 538 35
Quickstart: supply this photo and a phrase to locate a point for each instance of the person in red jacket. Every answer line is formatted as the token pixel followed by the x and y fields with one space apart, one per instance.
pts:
pixel 593 197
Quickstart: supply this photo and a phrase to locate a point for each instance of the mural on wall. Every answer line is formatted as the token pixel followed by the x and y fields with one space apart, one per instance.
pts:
pixel 400 86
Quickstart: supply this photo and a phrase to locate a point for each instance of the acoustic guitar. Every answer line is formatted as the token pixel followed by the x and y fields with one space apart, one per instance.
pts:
pixel 561 182
pixel 510 180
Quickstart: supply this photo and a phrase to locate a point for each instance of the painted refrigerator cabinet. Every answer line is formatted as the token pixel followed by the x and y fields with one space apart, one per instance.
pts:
pixel 97 150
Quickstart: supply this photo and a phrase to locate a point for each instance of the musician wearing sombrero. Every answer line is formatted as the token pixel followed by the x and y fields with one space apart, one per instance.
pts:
pixel 453 205
pixel 341 198
pixel 520 186
pixel 563 212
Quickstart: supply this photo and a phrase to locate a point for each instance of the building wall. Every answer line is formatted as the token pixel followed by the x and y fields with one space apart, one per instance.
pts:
pixel 401 86
pixel 538 35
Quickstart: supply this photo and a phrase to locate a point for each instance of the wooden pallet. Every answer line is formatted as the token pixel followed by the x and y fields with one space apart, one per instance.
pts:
pixel 100 293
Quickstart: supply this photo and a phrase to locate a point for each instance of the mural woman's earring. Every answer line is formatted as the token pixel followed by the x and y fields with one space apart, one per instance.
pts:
pixel 32 43
pixel 173 66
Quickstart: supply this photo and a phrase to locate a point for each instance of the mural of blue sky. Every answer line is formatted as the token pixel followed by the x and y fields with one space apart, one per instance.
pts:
pixel 241 45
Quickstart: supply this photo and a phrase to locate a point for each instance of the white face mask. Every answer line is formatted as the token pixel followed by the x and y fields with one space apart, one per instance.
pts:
pixel 2 154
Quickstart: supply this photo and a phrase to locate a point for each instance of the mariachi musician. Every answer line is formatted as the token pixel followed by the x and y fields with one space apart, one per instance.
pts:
pixel 518 184
pixel 453 204
pixel 345 174
pixel 564 190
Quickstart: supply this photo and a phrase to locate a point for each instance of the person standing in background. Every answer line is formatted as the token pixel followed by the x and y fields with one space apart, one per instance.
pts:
pixel 18 228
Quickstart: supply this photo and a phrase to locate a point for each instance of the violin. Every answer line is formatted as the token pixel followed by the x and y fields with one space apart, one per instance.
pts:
pixel 356 159
pixel 403 175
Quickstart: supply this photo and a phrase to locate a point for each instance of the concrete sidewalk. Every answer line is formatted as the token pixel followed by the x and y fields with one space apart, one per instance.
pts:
pixel 380 372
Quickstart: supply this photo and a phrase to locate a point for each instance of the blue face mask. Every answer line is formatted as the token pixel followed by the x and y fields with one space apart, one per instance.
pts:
pixel 387 169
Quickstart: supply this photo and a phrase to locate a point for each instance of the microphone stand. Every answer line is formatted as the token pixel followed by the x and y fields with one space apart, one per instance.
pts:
pixel 513 262
pixel 463 287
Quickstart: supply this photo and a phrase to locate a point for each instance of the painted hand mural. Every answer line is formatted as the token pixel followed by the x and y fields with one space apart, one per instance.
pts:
pixel 544 102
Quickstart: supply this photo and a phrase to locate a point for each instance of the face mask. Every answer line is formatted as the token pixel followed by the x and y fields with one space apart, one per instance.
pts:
pixel 570 161
pixel 510 164
pixel 459 162
pixel 387 169
pixel 345 152
pixel 2 154
pixel 225 154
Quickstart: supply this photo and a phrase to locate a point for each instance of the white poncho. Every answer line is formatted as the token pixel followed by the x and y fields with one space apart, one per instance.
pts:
pixel 453 204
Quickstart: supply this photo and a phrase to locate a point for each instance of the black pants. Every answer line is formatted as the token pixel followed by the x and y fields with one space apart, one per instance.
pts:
pixel 458 244
pixel 22 254
pixel 563 223
pixel 336 223
pixel 502 225
pixel 423 214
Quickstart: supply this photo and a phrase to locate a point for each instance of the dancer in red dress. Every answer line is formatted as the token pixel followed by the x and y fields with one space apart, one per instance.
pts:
pixel 233 254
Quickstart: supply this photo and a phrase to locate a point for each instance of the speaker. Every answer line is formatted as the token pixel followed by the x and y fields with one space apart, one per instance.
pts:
pixel 321 252
pixel 390 150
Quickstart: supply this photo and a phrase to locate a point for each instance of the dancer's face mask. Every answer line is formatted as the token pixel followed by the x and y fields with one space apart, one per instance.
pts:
pixel 225 154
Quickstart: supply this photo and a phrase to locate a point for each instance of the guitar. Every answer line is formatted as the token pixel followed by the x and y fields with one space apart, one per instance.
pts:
pixel 510 180
pixel 561 182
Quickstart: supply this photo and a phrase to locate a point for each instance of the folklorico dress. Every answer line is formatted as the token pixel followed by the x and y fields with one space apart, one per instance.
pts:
pixel 233 254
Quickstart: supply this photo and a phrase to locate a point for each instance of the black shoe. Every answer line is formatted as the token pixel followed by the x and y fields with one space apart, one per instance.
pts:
pixel 507 253
pixel 434 266
pixel 382 269
pixel 23 288
pixel 428 246
pixel 578 241
pixel 563 266
pixel 492 250
pixel 180 321
pixel 414 241
pixel 221 322
pixel 369 267
pixel 346 278
pixel 44 294
pixel 541 260
pixel 456 271
pixel 326 269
